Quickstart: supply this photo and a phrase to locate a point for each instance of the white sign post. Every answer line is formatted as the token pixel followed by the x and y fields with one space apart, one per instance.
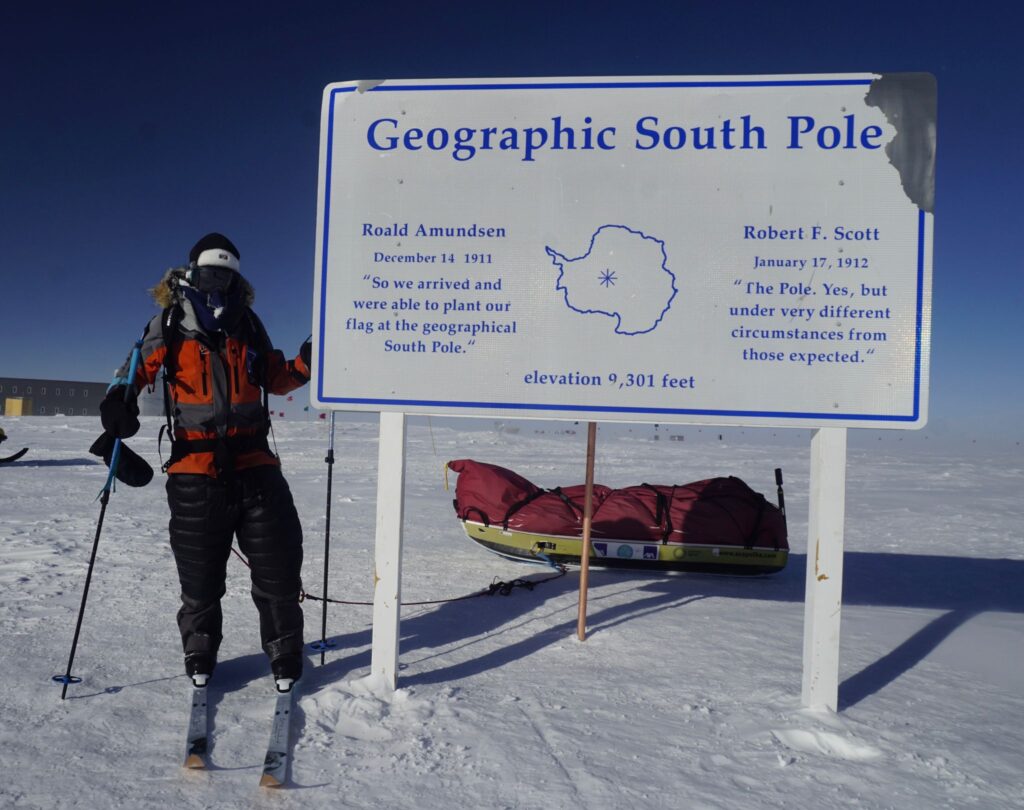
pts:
pixel 824 587
pixel 387 570
pixel 708 250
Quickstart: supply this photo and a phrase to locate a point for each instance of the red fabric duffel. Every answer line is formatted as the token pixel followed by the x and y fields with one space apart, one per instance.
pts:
pixel 723 511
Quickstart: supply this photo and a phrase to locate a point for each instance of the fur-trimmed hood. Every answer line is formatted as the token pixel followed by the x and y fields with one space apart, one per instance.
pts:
pixel 164 292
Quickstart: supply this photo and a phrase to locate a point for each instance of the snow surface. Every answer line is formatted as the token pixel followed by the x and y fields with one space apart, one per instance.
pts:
pixel 685 695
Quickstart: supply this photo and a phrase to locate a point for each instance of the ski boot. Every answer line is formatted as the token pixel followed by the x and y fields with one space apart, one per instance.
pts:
pixel 287 670
pixel 199 667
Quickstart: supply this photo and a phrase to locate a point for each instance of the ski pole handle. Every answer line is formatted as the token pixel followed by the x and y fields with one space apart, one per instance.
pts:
pixel 782 498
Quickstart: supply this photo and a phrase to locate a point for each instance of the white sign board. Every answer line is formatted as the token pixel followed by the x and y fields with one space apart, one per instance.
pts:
pixel 747 250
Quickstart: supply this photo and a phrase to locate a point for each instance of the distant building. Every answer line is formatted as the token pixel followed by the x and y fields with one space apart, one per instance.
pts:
pixel 20 396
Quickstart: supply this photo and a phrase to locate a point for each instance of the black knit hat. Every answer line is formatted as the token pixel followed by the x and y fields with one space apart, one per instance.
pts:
pixel 214 249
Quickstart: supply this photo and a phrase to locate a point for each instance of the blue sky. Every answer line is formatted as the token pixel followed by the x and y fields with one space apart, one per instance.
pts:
pixel 131 129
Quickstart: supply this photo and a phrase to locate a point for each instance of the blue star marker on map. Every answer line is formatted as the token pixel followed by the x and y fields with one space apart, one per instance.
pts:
pixel 622 275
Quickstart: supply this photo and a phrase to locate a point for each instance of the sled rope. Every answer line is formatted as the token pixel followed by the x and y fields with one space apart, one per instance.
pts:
pixel 496 586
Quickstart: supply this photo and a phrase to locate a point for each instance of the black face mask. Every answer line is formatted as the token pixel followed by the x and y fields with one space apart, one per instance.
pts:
pixel 210 279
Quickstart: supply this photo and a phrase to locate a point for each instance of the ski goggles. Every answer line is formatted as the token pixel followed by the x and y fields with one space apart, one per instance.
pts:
pixel 211 278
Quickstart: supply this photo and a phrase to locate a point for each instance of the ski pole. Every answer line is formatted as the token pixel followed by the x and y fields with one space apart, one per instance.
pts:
pixel 67 678
pixel 323 645
pixel 782 498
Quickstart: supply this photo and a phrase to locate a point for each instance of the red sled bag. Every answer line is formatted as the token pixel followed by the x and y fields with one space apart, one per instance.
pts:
pixel 726 509
pixel 496 496
pixel 719 511
pixel 485 492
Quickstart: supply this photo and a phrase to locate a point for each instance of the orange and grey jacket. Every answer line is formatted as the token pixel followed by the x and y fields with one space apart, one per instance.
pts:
pixel 215 389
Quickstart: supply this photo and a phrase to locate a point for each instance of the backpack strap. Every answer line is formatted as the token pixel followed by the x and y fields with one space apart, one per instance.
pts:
pixel 169 320
pixel 263 347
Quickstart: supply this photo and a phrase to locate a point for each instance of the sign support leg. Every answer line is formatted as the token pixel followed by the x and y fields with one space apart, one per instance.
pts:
pixel 588 514
pixel 387 572
pixel 824 585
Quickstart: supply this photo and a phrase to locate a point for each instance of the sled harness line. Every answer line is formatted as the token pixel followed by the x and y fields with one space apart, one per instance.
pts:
pixel 497 586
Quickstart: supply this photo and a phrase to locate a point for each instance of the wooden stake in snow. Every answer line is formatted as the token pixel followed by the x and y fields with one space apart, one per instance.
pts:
pixel 588 512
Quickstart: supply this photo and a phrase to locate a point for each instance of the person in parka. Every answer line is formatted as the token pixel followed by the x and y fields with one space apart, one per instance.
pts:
pixel 223 480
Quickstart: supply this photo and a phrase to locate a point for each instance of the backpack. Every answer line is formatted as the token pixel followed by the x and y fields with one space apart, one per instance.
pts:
pixel 258 345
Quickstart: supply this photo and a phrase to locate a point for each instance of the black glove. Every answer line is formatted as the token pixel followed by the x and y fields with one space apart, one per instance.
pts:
pixel 120 417
pixel 306 353
pixel 132 469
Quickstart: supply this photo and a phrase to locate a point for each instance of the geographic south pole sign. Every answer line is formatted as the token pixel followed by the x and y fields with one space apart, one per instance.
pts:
pixel 745 250
pixel 716 250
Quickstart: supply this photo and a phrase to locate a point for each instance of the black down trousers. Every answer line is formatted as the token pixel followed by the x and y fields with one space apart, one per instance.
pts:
pixel 255 505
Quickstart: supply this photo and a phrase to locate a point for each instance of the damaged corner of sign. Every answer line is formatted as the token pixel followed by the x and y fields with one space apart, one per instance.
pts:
pixel 909 103
pixel 368 84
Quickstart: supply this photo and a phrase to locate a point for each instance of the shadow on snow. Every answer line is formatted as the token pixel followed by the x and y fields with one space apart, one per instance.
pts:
pixel 960 588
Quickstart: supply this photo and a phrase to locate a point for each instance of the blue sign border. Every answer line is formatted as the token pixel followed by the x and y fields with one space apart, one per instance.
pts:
pixel 396 404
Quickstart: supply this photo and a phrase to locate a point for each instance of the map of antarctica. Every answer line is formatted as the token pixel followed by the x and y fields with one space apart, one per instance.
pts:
pixel 623 275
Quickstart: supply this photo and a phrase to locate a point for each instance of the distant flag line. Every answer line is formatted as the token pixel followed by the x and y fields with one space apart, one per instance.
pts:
pixel 305 409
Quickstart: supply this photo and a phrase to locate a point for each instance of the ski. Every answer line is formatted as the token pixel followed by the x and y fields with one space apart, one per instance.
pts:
pixel 15 456
pixel 198 725
pixel 275 764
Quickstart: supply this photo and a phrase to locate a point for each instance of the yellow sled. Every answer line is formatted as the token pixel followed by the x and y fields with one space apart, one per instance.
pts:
pixel 608 553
